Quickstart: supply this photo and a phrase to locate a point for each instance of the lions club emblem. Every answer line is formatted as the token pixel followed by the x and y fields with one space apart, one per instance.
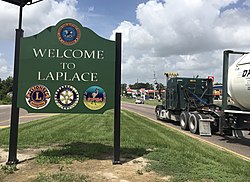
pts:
pixel 37 97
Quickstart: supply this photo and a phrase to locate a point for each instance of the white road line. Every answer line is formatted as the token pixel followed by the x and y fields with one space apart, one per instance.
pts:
pixel 5 106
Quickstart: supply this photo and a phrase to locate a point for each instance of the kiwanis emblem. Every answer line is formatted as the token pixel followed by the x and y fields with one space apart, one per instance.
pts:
pixel 37 97
pixel 66 97
pixel 68 34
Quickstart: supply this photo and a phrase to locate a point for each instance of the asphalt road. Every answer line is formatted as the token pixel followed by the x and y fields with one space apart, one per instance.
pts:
pixel 237 146
pixel 24 116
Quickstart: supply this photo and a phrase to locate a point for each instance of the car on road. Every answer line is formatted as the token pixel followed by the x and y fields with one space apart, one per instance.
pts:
pixel 139 101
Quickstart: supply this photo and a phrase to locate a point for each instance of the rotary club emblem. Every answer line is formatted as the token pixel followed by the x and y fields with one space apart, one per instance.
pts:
pixel 66 97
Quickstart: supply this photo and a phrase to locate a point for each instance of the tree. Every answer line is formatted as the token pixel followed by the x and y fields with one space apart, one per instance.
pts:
pixel 147 86
pixel 6 86
pixel 217 83
pixel 124 88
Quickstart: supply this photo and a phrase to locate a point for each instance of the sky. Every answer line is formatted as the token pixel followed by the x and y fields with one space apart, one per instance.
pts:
pixel 158 36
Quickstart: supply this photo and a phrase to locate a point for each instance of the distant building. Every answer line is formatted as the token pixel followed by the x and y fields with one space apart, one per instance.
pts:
pixel 217 91
pixel 143 93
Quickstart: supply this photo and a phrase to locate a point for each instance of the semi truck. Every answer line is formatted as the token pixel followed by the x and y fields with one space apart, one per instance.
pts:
pixel 191 101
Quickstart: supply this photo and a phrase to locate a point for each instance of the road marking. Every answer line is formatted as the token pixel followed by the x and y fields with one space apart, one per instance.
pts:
pixel 195 137
pixel 4 121
pixel 1 127
pixel 44 115
pixel 31 116
pixel 5 106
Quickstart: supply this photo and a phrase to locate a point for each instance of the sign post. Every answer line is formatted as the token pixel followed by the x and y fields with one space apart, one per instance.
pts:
pixel 116 159
pixel 14 109
pixel 12 159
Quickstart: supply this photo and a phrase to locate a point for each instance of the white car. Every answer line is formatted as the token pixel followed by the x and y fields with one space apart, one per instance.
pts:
pixel 139 101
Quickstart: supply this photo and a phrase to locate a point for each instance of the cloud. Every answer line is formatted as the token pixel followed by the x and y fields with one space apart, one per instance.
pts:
pixel 182 36
pixel 91 8
pixel 247 2
pixel 5 70
pixel 36 17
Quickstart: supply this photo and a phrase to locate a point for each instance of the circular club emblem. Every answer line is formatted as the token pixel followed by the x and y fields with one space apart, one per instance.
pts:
pixel 68 34
pixel 37 97
pixel 66 97
pixel 94 98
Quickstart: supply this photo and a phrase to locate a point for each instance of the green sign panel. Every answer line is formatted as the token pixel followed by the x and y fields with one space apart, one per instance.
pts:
pixel 66 68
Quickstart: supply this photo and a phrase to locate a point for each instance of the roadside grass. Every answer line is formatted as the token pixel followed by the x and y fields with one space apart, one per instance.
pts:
pixel 5 102
pixel 60 177
pixel 148 102
pixel 80 137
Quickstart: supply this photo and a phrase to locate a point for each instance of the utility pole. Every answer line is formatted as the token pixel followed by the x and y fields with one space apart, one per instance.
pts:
pixel 155 84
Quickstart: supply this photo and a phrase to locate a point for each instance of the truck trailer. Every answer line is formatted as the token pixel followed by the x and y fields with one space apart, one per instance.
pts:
pixel 191 101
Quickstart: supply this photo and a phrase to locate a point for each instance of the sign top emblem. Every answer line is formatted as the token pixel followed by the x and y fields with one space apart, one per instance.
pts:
pixel 68 34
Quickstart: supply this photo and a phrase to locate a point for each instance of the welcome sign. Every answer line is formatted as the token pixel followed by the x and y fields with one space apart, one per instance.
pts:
pixel 66 68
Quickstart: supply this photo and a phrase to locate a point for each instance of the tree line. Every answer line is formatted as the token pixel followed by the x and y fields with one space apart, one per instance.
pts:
pixel 140 85
pixel 6 87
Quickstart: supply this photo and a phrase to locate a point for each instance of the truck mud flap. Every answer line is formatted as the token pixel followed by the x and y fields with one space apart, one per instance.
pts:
pixel 204 127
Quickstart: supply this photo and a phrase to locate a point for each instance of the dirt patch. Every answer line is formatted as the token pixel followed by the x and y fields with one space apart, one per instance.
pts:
pixel 95 170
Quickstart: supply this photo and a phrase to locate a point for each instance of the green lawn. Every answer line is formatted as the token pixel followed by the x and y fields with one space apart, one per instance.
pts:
pixel 82 137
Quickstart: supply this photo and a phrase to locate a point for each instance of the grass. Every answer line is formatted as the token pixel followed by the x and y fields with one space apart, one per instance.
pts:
pixel 60 177
pixel 81 137
pixel 8 169
pixel 149 102
pixel 5 102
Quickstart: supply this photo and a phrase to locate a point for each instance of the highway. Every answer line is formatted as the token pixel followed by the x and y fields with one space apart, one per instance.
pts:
pixel 24 116
pixel 236 146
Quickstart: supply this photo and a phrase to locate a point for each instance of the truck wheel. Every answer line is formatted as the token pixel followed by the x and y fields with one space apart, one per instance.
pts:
pixel 228 132
pixel 193 122
pixel 158 112
pixel 184 116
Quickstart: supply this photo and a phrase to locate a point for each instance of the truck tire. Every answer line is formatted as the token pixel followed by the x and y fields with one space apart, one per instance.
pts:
pixel 184 117
pixel 193 122
pixel 158 111
pixel 228 132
